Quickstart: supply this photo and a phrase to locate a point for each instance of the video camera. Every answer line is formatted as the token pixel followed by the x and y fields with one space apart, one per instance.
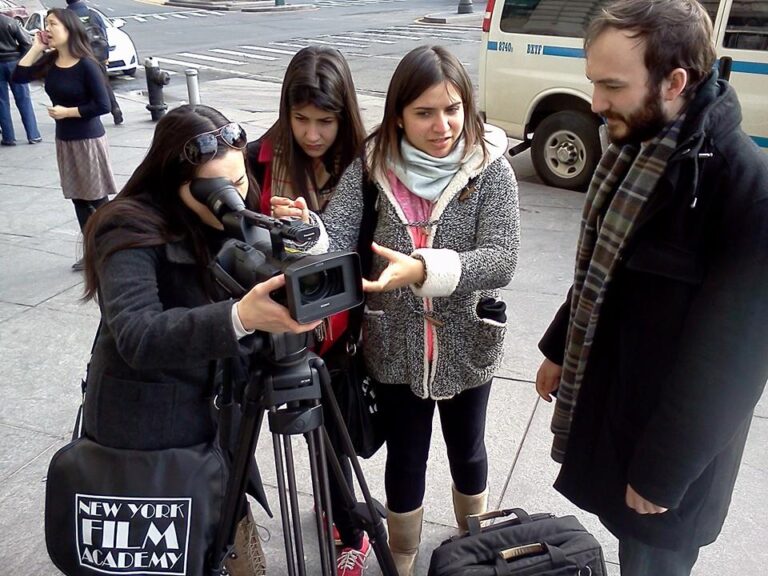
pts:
pixel 316 286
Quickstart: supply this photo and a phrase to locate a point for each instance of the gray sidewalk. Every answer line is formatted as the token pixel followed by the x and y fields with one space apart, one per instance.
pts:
pixel 46 332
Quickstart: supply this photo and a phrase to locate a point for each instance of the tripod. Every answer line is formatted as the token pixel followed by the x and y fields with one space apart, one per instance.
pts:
pixel 290 384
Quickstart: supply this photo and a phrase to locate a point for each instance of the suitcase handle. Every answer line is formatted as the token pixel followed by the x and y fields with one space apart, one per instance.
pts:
pixel 474 521
pixel 522 551
pixel 558 557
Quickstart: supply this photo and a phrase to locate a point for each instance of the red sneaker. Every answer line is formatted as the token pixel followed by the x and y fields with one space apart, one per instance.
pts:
pixel 336 536
pixel 351 562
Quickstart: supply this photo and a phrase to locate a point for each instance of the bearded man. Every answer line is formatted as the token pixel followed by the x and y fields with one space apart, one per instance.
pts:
pixel 658 356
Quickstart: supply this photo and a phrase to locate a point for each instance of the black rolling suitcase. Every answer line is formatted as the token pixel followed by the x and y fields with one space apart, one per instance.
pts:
pixel 524 545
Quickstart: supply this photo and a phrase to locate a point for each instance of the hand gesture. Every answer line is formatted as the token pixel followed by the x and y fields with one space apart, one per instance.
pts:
pixel 58 112
pixel 257 311
pixel 548 379
pixel 402 270
pixel 640 504
pixel 40 40
pixel 287 208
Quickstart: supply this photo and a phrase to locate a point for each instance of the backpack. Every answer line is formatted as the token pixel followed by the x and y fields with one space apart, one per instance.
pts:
pixel 96 36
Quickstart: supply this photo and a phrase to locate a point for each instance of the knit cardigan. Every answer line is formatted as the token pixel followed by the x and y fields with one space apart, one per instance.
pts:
pixel 471 252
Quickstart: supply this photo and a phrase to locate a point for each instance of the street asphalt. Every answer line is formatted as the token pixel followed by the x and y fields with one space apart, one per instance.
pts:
pixel 46 333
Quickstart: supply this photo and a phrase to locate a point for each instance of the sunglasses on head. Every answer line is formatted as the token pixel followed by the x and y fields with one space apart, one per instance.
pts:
pixel 203 147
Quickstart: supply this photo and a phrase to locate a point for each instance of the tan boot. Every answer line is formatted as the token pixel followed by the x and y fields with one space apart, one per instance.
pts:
pixel 247 557
pixel 404 538
pixel 464 505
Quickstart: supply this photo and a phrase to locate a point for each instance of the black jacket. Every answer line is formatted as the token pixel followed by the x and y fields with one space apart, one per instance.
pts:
pixel 679 358
pixel 151 375
pixel 14 42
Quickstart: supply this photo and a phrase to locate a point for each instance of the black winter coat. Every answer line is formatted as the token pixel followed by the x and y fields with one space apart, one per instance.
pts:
pixel 151 375
pixel 679 359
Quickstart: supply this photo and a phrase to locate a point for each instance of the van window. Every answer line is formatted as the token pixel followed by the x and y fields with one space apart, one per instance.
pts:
pixel 568 18
pixel 747 27
pixel 548 17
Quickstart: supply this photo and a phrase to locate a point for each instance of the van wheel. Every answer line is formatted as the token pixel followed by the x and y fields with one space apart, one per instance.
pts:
pixel 566 149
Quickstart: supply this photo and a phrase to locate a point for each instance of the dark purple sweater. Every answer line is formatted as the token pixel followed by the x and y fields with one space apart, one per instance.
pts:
pixel 81 86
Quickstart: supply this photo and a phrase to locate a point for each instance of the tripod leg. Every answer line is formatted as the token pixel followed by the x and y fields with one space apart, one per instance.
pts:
pixel 294 499
pixel 377 534
pixel 322 497
pixel 287 538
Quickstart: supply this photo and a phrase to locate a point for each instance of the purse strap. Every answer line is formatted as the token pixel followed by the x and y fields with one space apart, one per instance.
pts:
pixel 77 431
pixel 364 240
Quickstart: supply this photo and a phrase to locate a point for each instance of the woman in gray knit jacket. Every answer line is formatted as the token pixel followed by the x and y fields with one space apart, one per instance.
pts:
pixel 446 239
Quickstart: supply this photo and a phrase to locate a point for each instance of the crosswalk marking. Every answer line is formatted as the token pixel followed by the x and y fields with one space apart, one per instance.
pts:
pixel 446 28
pixel 196 66
pixel 389 34
pixel 159 17
pixel 163 60
pixel 367 38
pixel 344 44
pixel 139 19
pixel 289 45
pixel 243 54
pixel 354 44
pixel 211 58
pixel 271 50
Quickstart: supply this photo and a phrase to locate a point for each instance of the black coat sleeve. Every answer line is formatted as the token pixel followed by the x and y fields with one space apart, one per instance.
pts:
pixel 22 39
pixel 721 368
pixel 552 344
pixel 150 335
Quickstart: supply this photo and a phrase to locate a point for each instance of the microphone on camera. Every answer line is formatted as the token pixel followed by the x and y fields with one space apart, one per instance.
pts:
pixel 223 199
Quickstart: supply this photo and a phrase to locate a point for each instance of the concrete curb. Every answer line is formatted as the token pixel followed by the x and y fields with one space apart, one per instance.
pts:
pixel 239 5
pixel 286 8
pixel 475 18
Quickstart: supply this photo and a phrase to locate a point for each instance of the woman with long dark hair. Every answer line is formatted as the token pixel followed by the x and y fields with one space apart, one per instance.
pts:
pixel 446 239
pixel 318 133
pixel 62 56
pixel 165 321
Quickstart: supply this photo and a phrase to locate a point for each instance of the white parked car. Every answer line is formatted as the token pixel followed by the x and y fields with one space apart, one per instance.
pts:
pixel 123 58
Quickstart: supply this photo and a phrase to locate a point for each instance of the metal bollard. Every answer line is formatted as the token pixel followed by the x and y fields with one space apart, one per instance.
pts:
pixel 465 7
pixel 193 89
pixel 156 79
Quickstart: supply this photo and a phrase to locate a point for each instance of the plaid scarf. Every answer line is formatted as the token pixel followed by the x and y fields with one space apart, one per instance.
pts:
pixel 282 185
pixel 623 182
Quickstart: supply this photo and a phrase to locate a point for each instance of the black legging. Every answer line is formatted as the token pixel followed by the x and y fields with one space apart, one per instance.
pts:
pixel 84 209
pixel 407 421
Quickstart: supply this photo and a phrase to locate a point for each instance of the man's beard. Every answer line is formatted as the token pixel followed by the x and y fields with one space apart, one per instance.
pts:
pixel 642 125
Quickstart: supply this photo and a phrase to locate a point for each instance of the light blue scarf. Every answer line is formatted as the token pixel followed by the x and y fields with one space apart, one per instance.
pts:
pixel 425 175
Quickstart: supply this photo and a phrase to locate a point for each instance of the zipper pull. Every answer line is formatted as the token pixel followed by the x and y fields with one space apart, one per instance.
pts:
pixel 433 321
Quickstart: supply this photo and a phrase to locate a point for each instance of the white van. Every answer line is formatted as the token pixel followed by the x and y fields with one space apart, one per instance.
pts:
pixel 532 81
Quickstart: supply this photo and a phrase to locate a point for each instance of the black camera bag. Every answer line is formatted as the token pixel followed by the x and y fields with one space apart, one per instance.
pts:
pixel 113 511
pixel 526 545
pixel 116 511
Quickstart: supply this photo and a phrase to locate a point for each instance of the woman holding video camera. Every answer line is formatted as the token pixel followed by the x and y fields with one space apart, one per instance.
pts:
pixel 318 133
pixel 165 322
pixel 446 237
pixel 62 56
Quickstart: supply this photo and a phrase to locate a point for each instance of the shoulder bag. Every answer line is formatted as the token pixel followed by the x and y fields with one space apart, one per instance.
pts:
pixel 115 511
pixel 353 387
